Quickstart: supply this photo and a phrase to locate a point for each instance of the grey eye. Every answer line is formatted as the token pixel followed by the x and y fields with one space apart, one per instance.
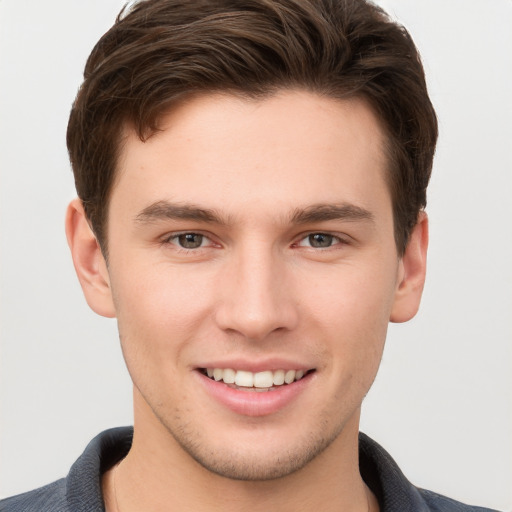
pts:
pixel 190 240
pixel 320 240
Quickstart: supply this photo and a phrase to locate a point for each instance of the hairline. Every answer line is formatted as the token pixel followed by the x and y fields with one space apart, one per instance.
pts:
pixel 128 128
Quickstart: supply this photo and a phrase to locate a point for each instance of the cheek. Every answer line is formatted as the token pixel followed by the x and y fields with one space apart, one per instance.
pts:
pixel 352 309
pixel 157 296
pixel 156 315
pixel 353 297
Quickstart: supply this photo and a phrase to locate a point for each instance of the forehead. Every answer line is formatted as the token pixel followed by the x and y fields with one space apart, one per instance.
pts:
pixel 291 149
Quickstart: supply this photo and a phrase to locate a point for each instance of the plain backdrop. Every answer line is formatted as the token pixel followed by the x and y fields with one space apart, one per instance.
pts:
pixel 442 403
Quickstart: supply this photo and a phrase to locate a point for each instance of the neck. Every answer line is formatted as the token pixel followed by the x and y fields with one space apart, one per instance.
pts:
pixel 158 475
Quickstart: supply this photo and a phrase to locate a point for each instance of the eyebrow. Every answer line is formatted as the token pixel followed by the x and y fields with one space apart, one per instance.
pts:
pixel 162 210
pixel 325 212
pixel 175 211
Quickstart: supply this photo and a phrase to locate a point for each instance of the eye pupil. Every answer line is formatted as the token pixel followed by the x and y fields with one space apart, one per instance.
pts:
pixel 320 240
pixel 190 240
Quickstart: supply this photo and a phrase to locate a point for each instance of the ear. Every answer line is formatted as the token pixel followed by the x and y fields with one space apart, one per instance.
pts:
pixel 90 265
pixel 411 273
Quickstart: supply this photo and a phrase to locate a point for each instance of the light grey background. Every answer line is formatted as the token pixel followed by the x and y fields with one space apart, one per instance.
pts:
pixel 442 403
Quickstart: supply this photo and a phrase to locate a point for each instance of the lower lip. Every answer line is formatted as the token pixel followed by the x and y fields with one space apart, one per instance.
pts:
pixel 254 403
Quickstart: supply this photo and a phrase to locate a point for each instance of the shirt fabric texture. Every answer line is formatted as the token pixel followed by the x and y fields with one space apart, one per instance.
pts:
pixel 80 491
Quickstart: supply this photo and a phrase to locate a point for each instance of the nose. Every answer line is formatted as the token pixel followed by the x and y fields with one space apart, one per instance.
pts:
pixel 257 296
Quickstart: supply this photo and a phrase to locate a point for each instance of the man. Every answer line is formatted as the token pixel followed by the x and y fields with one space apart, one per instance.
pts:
pixel 251 181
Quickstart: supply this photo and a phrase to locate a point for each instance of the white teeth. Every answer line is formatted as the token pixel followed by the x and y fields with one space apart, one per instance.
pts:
pixel 229 376
pixel 245 379
pixel 289 376
pixel 262 381
pixel 278 377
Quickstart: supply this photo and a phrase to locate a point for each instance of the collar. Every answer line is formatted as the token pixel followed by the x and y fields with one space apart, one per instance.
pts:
pixel 380 472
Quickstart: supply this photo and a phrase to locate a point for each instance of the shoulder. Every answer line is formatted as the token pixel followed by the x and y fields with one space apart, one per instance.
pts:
pixel 80 491
pixel 51 497
pixel 438 503
pixel 394 491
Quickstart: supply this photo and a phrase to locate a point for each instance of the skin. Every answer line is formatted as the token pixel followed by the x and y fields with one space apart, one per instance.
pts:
pixel 257 289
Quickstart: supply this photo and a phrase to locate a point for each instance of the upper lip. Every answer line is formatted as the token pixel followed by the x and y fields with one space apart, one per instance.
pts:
pixel 255 366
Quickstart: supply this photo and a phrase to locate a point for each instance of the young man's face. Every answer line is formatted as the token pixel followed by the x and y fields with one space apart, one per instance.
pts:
pixel 254 238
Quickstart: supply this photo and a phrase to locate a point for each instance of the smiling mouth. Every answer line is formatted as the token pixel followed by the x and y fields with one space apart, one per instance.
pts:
pixel 261 381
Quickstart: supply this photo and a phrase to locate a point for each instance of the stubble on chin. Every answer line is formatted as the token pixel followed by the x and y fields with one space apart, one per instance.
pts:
pixel 254 463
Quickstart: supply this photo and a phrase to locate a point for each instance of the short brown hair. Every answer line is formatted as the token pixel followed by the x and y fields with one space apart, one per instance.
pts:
pixel 160 51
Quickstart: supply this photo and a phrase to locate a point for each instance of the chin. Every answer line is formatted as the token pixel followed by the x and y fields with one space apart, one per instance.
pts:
pixel 261 466
pixel 257 453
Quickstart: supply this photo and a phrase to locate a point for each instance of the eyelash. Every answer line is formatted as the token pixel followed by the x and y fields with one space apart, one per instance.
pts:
pixel 335 240
pixel 173 239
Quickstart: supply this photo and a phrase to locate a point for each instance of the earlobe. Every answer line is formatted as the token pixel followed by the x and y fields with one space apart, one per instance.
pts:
pixel 90 265
pixel 412 272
